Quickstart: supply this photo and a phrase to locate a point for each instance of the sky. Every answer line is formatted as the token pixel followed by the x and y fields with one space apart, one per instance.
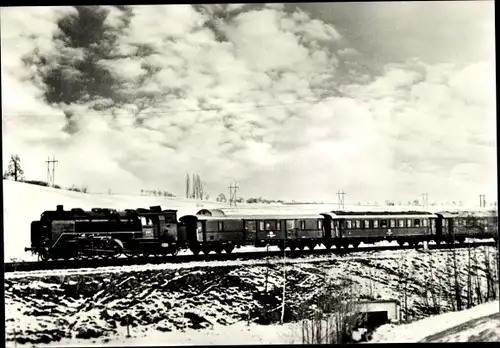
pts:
pixel 384 101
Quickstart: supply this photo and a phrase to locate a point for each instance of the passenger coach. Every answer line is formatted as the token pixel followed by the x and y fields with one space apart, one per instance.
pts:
pixel 218 233
pixel 351 228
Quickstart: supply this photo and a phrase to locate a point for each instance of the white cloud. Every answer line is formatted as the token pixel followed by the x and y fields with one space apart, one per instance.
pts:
pixel 389 139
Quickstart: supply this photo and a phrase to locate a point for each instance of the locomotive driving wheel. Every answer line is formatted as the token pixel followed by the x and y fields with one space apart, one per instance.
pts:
pixel 44 256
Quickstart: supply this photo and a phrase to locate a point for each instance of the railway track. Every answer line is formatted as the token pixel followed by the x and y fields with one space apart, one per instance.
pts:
pixel 76 264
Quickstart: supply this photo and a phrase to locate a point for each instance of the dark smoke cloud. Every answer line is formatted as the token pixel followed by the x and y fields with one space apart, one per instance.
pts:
pixel 73 74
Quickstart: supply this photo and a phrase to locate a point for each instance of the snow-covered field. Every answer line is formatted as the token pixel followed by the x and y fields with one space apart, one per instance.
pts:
pixel 24 203
pixel 164 302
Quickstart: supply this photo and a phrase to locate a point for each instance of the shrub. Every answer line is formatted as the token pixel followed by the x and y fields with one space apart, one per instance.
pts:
pixel 35 182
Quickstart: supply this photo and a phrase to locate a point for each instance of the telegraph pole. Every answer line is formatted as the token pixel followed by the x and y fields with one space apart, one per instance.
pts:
pixel 340 195
pixel 51 176
pixel 425 200
pixel 232 194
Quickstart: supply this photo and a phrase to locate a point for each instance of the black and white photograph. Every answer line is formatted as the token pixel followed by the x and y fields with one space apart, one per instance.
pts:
pixel 249 174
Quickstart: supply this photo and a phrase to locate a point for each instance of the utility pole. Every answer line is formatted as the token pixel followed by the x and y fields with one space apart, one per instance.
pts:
pixel 425 200
pixel 232 194
pixel 51 176
pixel 340 195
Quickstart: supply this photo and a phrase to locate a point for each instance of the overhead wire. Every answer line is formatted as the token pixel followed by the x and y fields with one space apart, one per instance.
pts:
pixel 173 111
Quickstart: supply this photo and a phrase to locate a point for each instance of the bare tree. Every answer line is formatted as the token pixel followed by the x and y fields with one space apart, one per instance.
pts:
pixel 188 184
pixel 14 169
pixel 469 279
pixel 458 296
pixel 193 189
pixel 221 198
pixel 332 316
pixel 201 188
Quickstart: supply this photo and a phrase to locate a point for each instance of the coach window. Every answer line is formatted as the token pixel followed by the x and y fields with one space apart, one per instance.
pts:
pixel 320 224
pixel 270 225
pixel 250 226
pixel 445 222
pixel 311 224
pixel 261 225
pixel 392 223
pixel 383 223
pixel 375 223
pixel 425 222
pixel 290 225
pixel 234 225
pixel 348 224
pixel 199 227
pixel 408 223
pixel 366 224
pixel 416 222
pixel 278 225
pixel 302 225
pixel 220 226
pixel 401 223
pixel 211 226
pixel 358 223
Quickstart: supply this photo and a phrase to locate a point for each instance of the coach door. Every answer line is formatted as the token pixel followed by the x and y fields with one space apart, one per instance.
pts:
pixel 250 231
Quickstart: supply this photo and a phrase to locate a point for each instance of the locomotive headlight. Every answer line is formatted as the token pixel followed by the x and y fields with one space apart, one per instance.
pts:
pixel 164 245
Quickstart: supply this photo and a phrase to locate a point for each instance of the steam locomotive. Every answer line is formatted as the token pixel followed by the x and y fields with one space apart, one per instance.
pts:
pixel 108 233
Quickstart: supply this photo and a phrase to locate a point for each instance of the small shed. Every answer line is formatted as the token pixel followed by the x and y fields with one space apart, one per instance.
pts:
pixel 380 312
pixel 211 212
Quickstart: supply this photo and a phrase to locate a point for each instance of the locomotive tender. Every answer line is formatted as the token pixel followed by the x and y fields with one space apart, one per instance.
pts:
pixel 145 232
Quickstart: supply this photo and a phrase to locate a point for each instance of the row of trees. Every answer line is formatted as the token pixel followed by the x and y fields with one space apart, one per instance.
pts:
pixel 157 193
pixel 195 188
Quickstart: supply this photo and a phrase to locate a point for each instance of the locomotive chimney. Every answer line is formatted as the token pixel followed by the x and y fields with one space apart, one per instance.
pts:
pixel 60 208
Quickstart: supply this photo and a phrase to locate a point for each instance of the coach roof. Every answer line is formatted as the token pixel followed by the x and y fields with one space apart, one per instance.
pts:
pixel 381 215
pixel 261 217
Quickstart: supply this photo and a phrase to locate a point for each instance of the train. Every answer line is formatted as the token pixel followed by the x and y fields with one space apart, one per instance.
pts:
pixel 109 233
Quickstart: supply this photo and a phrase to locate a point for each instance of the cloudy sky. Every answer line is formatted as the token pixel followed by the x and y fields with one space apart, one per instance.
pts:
pixel 382 100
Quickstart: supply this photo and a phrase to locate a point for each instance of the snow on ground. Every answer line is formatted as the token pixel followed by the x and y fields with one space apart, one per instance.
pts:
pixel 475 324
pixel 478 324
pixel 240 333
pixel 24 203
pixel 67 307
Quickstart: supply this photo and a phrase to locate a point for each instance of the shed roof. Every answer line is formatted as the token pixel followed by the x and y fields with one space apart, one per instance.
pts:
pixel 211 212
